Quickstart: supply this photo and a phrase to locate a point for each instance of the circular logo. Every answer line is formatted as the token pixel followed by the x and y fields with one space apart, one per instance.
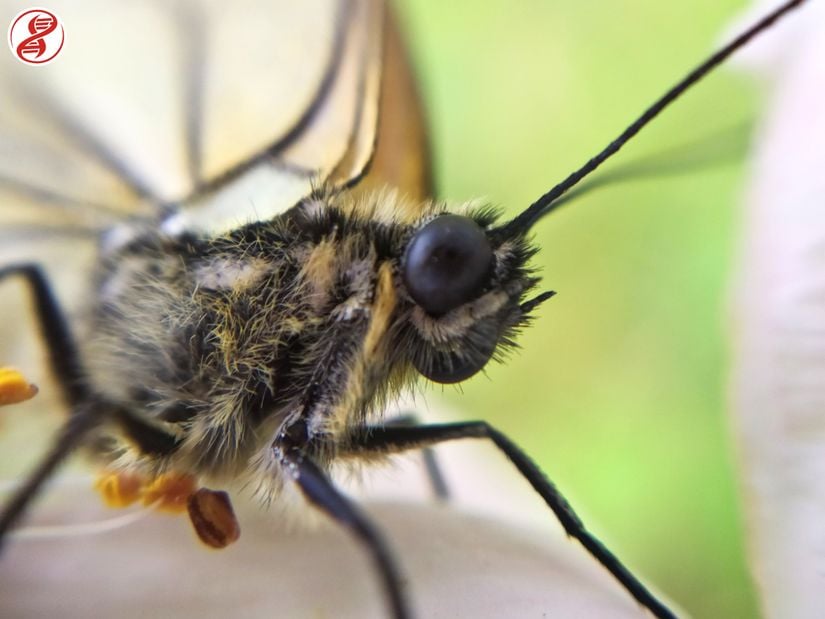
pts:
pixel 36 36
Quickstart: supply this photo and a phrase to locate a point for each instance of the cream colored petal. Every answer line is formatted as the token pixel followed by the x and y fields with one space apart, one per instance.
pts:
pixel 778 381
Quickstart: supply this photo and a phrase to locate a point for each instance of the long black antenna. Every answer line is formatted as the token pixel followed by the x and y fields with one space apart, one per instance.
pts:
pixel 548 202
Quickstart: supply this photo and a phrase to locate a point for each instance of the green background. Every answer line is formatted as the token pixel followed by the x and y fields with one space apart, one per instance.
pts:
pixel 620 389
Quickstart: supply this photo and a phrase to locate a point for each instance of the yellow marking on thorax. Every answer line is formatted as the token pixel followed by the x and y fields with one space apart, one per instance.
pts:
pixel 372 352
pixel 383 305
pixel 319 272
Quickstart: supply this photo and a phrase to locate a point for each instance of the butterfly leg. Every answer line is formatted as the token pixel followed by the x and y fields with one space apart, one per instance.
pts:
pixel 378 439
pixel 438 483
pixel 83 420
pixel 320 491
pixel 65 363
pixel 72 433
pixel 64 358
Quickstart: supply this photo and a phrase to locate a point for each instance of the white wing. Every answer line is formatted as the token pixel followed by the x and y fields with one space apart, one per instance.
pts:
pixel 232 110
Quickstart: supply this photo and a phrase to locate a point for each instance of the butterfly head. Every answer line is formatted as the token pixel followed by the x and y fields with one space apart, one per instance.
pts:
pixel 467 284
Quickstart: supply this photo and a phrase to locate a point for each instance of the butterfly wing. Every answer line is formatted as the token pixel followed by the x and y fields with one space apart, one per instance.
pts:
pixel 224 113
pixel 219 114
pixel 401 155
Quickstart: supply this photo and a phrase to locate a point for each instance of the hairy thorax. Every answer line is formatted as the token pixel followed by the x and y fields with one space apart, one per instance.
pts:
pixel 223 341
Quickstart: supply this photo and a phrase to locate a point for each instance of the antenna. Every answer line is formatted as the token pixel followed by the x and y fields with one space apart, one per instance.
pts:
pixel 549 201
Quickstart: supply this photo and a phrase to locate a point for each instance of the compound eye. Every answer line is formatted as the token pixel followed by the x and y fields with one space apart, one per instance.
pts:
pixel 447 263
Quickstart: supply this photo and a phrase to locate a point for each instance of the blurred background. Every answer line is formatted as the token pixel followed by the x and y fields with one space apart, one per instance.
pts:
pixel 619 391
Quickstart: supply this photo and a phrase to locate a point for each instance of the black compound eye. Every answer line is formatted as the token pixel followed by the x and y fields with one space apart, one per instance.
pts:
pixel 447 263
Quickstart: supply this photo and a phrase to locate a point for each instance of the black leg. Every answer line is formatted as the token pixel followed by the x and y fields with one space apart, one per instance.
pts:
pixel 65 363
pixel 318 489
pixel 63 356
pixel 148 438
pixel 435 475
pixel 395 439
pixel 74 431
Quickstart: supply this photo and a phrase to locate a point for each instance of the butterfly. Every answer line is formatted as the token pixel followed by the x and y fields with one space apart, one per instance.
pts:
pixel 255 298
